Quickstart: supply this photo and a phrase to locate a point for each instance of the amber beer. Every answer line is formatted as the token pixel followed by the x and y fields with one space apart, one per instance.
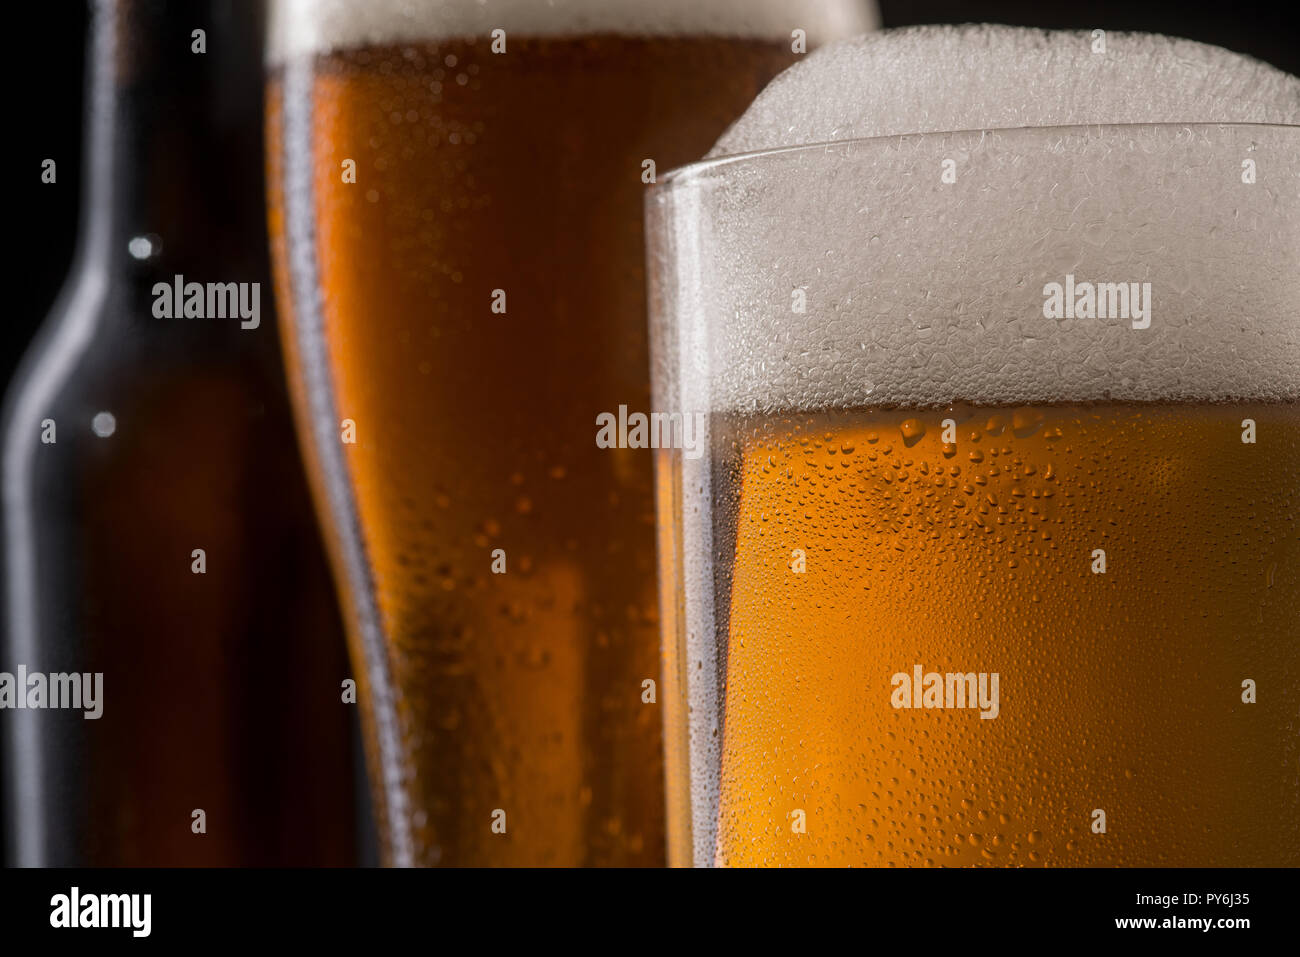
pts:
pixel 470 304
pixel 1119 689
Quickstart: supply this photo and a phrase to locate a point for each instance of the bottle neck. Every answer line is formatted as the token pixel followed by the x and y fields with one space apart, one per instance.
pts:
pixel 173 160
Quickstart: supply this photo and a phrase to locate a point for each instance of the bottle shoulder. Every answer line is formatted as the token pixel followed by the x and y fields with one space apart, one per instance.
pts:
pixel 61 343
pixel 102 345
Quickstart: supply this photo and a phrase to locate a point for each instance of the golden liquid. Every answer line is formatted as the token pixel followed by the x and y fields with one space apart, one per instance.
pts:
pixel 1119 691
pixel 476 430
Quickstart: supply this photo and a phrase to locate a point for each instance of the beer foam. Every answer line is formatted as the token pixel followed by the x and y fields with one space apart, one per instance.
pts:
pixel 921 270
pixel 936 79
pixel 297 27
pixel 889 263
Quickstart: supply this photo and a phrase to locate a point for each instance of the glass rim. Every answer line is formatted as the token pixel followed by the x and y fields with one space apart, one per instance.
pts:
pixel 700 168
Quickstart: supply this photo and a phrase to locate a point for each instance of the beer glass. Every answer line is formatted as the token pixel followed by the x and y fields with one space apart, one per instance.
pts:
pixel 455 212
pixel 978 498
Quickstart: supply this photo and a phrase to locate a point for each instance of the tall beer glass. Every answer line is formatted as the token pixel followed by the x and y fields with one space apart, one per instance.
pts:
pixel 982 545
pixel 456 194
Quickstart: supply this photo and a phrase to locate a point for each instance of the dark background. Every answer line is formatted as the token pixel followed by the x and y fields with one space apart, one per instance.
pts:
pixel 44 69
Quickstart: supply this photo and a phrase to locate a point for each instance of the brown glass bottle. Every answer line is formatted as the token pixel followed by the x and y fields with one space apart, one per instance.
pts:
pixel 171 436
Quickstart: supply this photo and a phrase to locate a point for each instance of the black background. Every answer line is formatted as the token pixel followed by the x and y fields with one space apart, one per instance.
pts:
pixel 927 910
pixel 44 54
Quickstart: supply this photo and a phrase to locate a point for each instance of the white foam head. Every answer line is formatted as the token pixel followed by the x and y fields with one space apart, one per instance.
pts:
pixel 935 79
pixel 318 26
pixel 915 271
pixel 921 289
